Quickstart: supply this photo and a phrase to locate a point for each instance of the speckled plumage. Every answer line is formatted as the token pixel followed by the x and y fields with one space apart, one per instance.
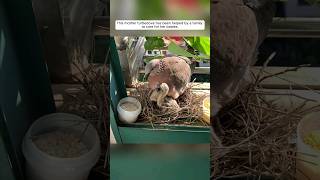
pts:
pixel 238 28
pixel 174 71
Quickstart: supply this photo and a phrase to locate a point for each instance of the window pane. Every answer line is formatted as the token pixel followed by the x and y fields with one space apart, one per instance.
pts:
pixel 291 51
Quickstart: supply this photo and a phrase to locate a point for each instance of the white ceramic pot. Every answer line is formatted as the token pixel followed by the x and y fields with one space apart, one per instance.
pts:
pixel 128 116
pixel 42 166
pixel 308 158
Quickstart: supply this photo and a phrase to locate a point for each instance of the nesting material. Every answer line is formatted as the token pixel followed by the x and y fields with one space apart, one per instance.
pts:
pixel 90 103
pixel 254 137
pixel 61 143
pixel 189 113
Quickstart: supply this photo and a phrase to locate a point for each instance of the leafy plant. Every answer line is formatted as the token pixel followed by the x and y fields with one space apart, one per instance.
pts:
pixel 177 50
pixel 200 44
pixel 153 43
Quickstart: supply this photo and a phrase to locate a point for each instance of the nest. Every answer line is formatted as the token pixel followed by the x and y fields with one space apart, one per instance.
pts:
pixel 95 81
pixel 254 137
pixel 189 112
pixel 90 102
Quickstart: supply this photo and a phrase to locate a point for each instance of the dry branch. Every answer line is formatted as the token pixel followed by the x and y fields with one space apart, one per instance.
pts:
pixel 255 134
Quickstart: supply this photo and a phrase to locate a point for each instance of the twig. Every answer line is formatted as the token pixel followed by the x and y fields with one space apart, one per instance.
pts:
pixel 281 94
pixel 297 84
pixel 283 72
pixel 265 64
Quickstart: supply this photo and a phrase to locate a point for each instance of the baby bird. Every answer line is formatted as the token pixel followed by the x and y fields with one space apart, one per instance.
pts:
pixel 167 79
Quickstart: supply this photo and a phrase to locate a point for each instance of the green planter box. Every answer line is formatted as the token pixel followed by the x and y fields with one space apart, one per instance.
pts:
pixel 160 162
pixel 145 133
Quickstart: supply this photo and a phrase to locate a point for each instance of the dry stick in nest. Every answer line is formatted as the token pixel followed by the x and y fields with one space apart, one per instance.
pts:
pixel 95 83
pixel 282 72
pixel 261 144
pixel 244 141
pixel 244 147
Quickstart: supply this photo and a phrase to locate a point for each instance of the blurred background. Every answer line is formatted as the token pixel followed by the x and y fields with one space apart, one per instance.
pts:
pixel 160 10
pixel 294 34
pixel 154 162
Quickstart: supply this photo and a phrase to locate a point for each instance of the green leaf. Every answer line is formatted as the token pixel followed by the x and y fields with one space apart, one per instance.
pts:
pixel 177 50
pixel 201 44
pixel 153 43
